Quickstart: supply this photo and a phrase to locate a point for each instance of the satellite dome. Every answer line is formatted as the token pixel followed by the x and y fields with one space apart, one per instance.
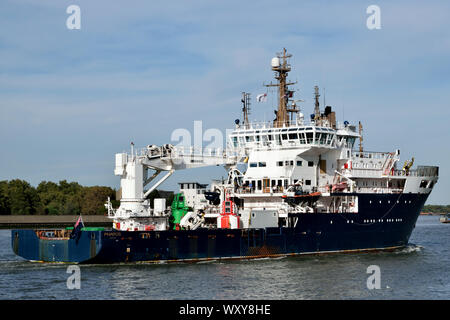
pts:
pixel 275 62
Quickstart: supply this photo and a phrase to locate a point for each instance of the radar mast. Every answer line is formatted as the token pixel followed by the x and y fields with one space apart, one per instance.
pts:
pixel 281 66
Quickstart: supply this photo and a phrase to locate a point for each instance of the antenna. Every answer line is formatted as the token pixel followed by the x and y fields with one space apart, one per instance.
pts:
pixel 360 139
pixel 316 107
pixel 245 108
pixel 281 66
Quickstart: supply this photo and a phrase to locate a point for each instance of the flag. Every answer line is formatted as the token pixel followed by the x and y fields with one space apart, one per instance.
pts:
pixel 76 232
pixel 261 97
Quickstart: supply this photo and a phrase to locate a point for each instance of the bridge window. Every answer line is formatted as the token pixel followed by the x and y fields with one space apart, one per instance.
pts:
pixel 330 139
pixel 308 182
pixel 350 142
pixel 423 184
pixel 293 136
pixel 279 163
pixel 253 164
pixel 318 134
pixel 299 163
pixel 310 164
pixel 302 138
pixel 278 139
pixel 261 164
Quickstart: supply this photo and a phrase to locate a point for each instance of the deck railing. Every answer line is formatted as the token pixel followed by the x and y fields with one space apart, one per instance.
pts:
pixel 421 171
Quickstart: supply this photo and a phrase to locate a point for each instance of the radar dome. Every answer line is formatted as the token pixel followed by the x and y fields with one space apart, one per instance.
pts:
pixel 275 62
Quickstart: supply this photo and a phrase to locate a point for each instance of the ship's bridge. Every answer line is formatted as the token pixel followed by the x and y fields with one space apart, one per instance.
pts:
pixel 265 135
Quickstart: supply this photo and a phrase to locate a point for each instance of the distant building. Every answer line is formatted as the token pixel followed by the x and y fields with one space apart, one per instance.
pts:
pixel 193 193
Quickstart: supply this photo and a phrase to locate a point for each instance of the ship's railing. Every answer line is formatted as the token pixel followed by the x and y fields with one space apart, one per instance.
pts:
pixel 205 152
pixel 291 123
pixel 421 171
pixel 255 190
pixel 372 155
pixel 322 189
pixel 378 190
pixel 377 172
pixel 183 151
pixel 362 173
pixel 270 124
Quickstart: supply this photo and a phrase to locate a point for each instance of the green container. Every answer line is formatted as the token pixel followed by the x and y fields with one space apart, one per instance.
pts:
pixel 88 228
pixel 92 229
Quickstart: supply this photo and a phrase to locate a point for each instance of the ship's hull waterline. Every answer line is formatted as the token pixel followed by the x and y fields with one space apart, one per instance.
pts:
pixel 384 222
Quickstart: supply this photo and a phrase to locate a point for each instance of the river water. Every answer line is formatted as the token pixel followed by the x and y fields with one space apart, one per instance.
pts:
pixel 420 271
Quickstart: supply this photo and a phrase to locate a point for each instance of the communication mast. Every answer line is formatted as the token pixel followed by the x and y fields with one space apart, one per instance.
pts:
pixel 281 66
pixel 245 108
pixel 316 106
pixel 360 138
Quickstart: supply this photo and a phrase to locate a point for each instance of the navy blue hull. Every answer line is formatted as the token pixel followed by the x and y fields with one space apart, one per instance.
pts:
pixel 384 221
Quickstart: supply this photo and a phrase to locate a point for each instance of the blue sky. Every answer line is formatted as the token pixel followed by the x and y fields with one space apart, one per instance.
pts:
pixel 137 70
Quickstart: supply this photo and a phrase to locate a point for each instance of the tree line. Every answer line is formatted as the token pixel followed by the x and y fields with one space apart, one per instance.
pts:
pixel 18 197
pixel 433 208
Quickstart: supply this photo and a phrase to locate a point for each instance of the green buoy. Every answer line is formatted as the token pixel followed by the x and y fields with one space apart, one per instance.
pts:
pixel 179 209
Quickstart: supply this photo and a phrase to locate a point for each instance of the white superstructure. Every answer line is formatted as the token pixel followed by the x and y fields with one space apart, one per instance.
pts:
pixel 292 165
pixel 194 194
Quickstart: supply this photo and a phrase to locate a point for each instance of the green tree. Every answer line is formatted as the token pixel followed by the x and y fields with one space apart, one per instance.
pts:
pixel 62 198
pixel 94 199
pixel 24 199
pixel 5 206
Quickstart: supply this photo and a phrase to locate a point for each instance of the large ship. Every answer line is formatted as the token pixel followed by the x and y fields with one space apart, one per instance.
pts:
pixel 295 185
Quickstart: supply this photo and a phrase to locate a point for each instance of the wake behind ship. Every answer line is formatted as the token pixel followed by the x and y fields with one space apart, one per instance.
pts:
pixel 295 185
